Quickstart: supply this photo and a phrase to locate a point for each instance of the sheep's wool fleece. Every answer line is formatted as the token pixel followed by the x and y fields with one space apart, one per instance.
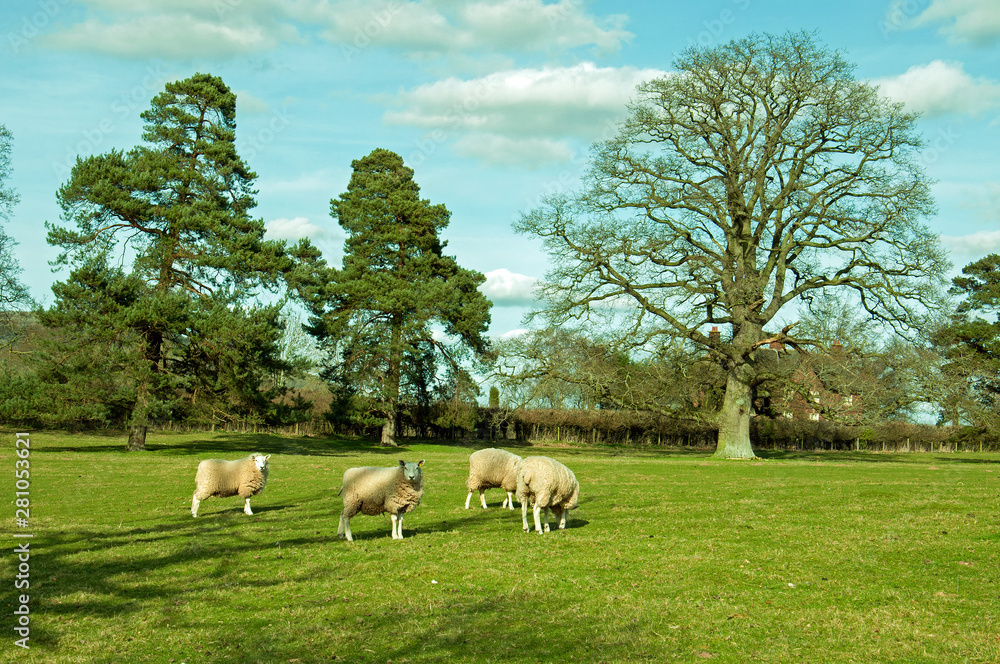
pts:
pixel 547 483
pixel 216 477
pixel 374 490
pixel 492 468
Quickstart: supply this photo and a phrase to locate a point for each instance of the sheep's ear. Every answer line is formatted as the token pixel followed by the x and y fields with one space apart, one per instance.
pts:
pixel 420 463
pixel 402 463
pixel 267 457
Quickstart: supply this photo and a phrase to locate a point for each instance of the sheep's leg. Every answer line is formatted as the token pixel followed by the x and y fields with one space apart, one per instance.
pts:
pixel 524 516
pixel 510 501
pixel 345 528
pixel 468 499
pixel 482 497
pixel 562 519
pixel 538 519
pixel 546 518
pixel 246 508
pixel 397 526
pixel 194 504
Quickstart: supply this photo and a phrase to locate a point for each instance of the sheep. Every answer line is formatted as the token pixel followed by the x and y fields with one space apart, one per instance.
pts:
pixel 489 469
pixel 546 483
pixel 373 490
pixel 215 477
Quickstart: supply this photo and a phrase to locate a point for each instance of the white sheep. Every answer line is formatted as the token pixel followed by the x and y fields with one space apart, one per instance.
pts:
pixel 546 483
pixel 215 477
pixel 490 469
pixel 373 490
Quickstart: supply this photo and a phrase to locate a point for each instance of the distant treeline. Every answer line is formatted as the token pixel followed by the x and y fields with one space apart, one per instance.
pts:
pixel 500 426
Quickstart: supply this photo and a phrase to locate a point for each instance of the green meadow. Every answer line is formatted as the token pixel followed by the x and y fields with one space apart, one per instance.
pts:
pixel 671 556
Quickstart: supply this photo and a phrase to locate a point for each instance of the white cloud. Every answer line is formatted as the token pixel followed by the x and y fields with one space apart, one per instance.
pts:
pixel 522 116
pixel 976 21
pixel 512 334
pixel 166 36
pixel 940 88
pixel 426 27
pixel 562 101
pixel 248 104
pixel 509 289
pixel 524 152
pixel 535 25
pixel 967 248
pixel 226 28
pixel 293 229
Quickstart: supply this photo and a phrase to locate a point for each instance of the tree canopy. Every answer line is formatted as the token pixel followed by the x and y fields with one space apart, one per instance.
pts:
pixel 757 174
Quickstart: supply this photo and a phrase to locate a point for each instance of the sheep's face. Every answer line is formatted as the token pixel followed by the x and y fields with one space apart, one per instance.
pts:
pixel 261 461
pixel 411 471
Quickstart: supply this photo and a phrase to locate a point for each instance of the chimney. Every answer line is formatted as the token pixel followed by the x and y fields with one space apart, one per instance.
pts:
pixel 837 348
pixel 715 336
pixel 777 345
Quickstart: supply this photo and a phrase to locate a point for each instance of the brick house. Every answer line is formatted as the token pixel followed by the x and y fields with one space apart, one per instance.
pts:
pixel 819 389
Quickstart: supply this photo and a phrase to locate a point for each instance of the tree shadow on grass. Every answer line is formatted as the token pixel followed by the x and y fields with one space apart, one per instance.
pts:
pixel 236 445
pixel 837 456
pixel 959 459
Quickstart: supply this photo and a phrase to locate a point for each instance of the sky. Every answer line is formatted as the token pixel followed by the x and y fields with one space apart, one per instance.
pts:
pixel 494 103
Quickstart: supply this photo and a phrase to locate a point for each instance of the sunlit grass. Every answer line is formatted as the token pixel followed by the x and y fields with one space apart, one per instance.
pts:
pixel 671 556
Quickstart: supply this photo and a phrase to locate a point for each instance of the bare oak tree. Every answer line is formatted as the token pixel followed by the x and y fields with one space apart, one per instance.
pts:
pixel 757 174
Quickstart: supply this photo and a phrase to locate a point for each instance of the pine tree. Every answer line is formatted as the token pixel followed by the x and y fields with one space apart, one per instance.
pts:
pixel 378 312
pixel 180 204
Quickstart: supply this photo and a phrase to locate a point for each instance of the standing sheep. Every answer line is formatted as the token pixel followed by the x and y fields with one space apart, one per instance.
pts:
pixel 489 469
pixel 546 483
pixel 372 490
pixel 215 477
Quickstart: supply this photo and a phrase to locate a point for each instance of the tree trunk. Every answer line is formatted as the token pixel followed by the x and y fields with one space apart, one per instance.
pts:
pixel 734 418
pixel 392 385
pixel 138 421
pixel 137 438
pixel 389 430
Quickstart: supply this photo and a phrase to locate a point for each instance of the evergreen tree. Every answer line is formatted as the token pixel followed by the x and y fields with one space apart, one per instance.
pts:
pixel 180 204
pixel 375 315
pixel 970 344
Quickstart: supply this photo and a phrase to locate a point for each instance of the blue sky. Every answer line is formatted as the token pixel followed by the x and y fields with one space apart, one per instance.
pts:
pixel 493 103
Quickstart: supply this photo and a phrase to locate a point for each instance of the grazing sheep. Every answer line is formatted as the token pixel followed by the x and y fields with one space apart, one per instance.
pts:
pixel 215 477
pixel 372 490
pixel 489 469
pixel 546 483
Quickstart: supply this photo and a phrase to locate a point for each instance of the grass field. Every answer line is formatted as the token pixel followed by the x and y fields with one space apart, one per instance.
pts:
pixel 671 556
